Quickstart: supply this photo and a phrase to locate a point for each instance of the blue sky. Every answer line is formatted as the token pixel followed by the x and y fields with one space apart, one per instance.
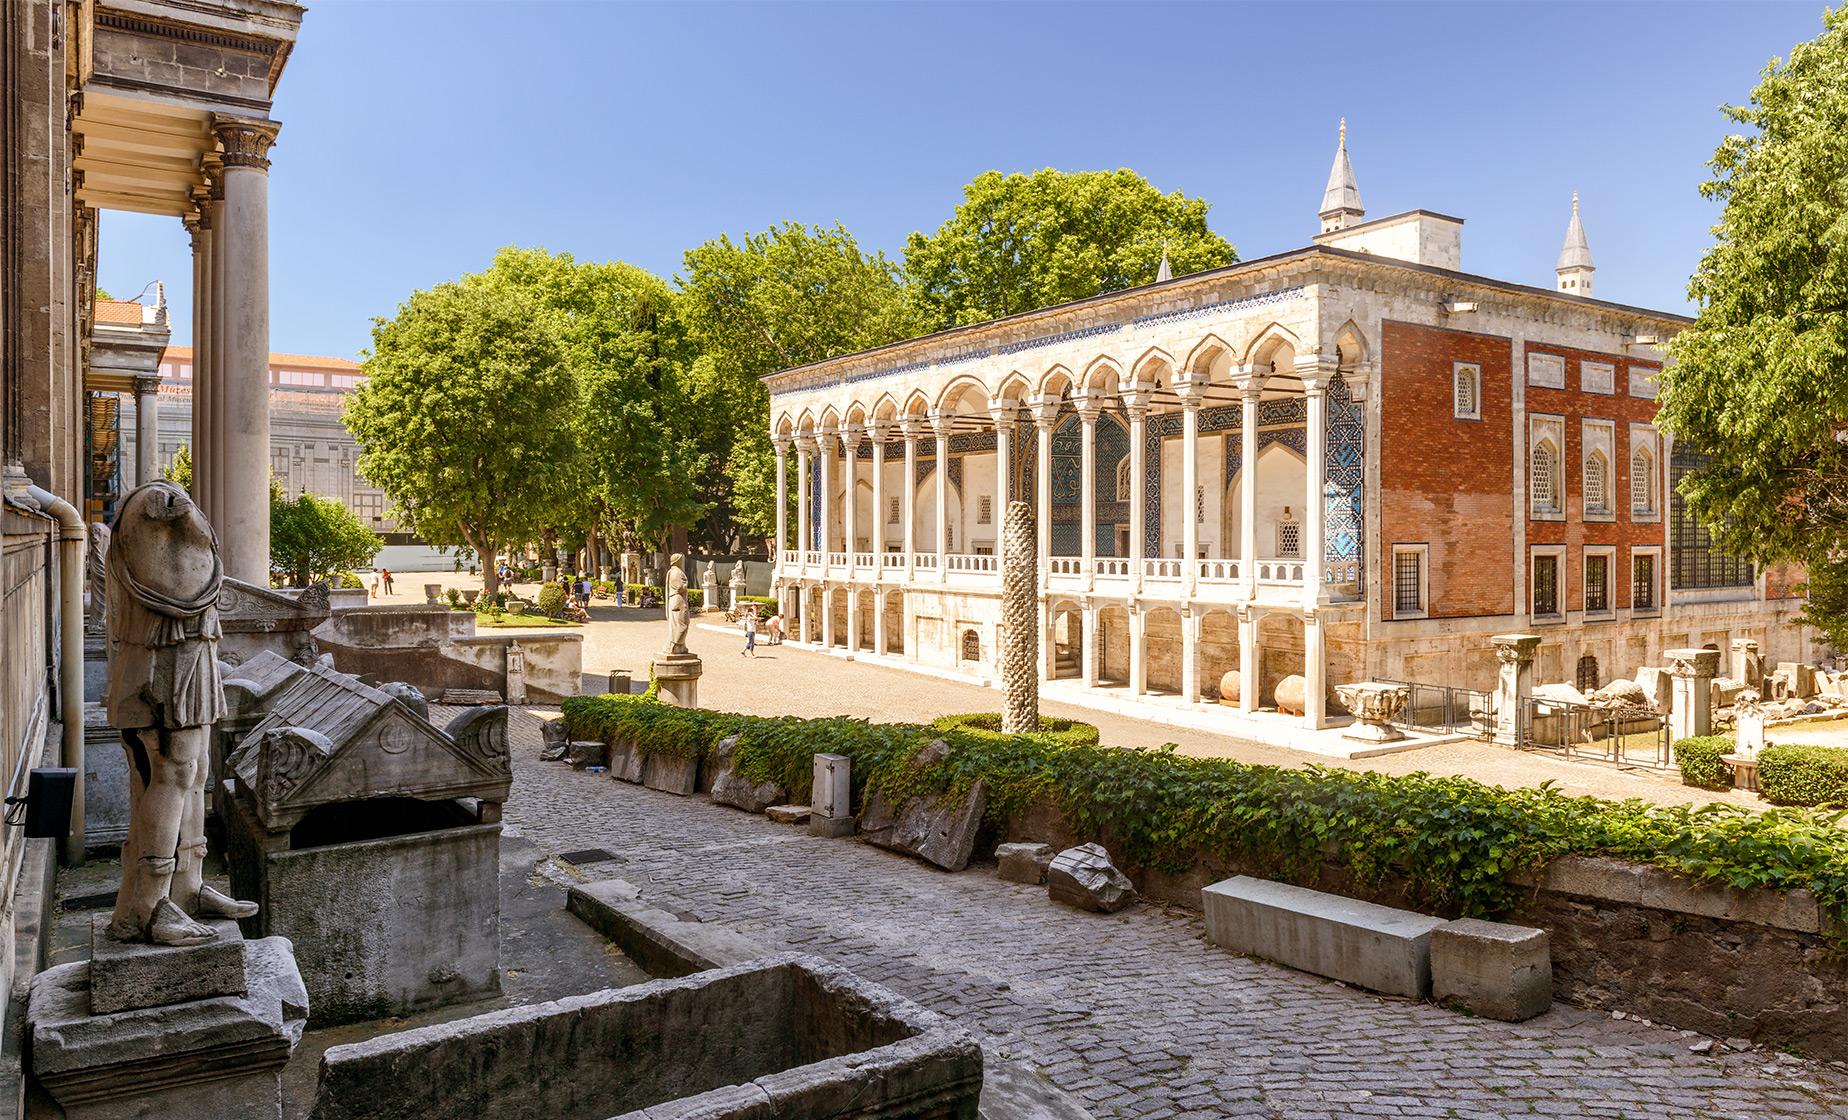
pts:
pixel 419 137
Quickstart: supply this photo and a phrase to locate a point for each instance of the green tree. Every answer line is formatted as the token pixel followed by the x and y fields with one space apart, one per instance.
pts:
pixel 1759 385
pixel 785 297
pixel 313 537
pixel 465 415
pixel 1021 242
pixel 181 469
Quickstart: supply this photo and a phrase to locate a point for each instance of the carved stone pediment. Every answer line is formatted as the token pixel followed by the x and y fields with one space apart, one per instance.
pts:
pixel 247 608
pixel 329 738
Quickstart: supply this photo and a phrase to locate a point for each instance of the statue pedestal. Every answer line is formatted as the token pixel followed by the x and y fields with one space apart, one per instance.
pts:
pixel 197 1031
pixel 677 674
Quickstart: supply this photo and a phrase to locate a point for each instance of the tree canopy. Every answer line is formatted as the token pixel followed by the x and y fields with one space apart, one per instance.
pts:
pixel 313 537
pixel 1760 381
pixel 465 415
pixel 781 298
pixel 1020 242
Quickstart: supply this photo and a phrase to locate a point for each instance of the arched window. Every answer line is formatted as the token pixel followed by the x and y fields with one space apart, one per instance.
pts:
pixel 971 646
pixel 1468 405
pixel 1545 476
pixel 1122 479
pixel 1588 673
pixel 1642 482
pixel 1597 483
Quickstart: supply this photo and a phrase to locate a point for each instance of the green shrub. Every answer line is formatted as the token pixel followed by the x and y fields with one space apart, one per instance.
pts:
pixel 348 579
pixel 454 595
pixel 550 601
pixel 696 599
pixel 1053 729
pixel 766 604
pixel 1453 843
pixel 1699 758
pixel 1804 775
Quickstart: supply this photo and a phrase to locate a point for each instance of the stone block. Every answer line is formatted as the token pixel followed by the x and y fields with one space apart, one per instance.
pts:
pixel 1361 943
pixel 1023 863
pixel 662 943
pixel 1492 969
pixel 554 738
pixel 619 682
pixel 586 752
pixel 832 786
pixel 937 830
pixel 1658 687
pixel 219 1057
pixel 728 788
pixel 126 976
pixel 790 814
pixel 1085 878
pixel 670 774
pixel 626 763
pixel 832 828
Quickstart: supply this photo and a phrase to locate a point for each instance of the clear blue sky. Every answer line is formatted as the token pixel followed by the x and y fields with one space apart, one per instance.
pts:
pixel 419 137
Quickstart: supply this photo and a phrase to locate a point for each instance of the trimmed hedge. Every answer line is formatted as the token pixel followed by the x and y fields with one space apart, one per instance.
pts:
pixel 766 604
pixel 550 601
pixel 1053 729
pixel 696 597
pixel 1796 774
pixel 1454 843
pixel 1699 759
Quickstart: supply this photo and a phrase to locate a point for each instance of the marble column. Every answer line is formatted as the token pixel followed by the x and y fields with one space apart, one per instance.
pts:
pixel 1136 405
pixel 1315 673
pixel 1190 654
pixel 1138 655
pixel 782 498
pixel 806 528
pixel 879 634
pixel 1045 418
pixel 1515 685
pixel 245 382
pixel 1088 408
pixel 1090 654
pixel 1190 483
pixel 853 621
pixel 147 427
pixel 850 470
pixel 1249 678
pixel 1691 713
pixel 1316 376
pixel 940 426
pixel 876 531
pixel 1249 393
pixel 201 229
pixel 908 510
pixel 1003 416
pixel 212 460
pixel 824 452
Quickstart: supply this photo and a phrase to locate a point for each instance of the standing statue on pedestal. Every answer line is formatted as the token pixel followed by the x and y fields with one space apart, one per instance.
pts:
pixel 164 576
pixel 677 612
pixel 97 575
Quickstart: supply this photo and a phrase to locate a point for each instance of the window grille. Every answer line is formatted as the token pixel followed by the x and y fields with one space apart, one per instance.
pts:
pixel 1696 561
pixel 1597 583
pixel 1545 477
pixel 985 511
pixel 1643 582
pixel 971 646
pixel 1642 482
pixel 1588 674
pixel 1597 483
pixel 1408 582
pixel 1466 405
pixel 1289 540
pixel 1200 504
pixel 1546 585
pixel 892 517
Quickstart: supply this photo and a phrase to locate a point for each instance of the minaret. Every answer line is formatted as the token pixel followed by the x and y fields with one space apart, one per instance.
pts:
pixel 1341 201
pixel 1575 267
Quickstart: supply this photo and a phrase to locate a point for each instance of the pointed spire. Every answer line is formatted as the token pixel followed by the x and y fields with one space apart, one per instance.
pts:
pixel 1165 272
pixel 1575 268
pixel 1341 206
pixel 160 302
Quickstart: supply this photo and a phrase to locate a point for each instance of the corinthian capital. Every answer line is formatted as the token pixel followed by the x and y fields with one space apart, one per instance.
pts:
pixel 246 140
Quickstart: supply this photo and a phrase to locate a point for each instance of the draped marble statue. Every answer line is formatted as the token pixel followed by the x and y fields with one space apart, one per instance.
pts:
pixel 164 577
pixel 677 609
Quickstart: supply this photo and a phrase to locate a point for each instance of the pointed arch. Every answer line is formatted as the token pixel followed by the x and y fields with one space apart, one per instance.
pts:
pixel 964 390
pixel 1103 374
pixel 1209 359
pixel 1269 341
pixel 1015 388
pixel 805 424
pixel 885 408
pixel 830 419
pixel 917 404
pixel 1056 381
pixel 1155 366
pixel 1351 346
pixel 783 427
pixel 856 413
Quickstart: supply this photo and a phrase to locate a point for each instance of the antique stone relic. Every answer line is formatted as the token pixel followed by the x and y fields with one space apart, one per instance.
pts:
pixel 164 578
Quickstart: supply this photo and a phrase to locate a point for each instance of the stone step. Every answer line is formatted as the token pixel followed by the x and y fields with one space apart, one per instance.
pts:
pixel 1361 943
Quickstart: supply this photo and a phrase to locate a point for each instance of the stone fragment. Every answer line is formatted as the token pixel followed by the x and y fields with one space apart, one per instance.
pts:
pixel 409 695
pixel 788 814
pixel 1228 686
pixel 554 736
pixel 671 774
pixel 456 697
pixel 625 763
pixel 730 789
pixel 127 976
pixel 1492 969
pixel 585 752
pixel 1084 877
pixel 1703 1046
pixel 937 829
pixel 1658 687
pixel 1360 943
pixel 1023 863
pixel 1289 694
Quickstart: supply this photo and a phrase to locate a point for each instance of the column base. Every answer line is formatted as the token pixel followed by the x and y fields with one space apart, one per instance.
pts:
pixel 677 676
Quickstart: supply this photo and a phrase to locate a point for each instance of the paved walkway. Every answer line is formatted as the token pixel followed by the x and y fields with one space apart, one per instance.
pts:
pixel 1133 1013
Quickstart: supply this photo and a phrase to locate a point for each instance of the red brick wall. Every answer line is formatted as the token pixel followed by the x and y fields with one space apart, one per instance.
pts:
pixel 1783 580
pixel 1446 482
pixel 1575 532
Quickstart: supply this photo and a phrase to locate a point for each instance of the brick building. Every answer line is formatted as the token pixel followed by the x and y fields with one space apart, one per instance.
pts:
pixel 1352 460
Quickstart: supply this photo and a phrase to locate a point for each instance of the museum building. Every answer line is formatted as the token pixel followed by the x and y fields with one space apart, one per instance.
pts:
pixel 1345 462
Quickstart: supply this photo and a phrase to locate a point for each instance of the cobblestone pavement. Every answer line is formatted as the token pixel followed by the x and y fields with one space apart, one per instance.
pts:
pixel 1134 1013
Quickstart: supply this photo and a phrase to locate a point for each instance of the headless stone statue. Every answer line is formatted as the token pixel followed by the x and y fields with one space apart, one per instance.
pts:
pixel 97 573
pixel 164 576
pixel 677 615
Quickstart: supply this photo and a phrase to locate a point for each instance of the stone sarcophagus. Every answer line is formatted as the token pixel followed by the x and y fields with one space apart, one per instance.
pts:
pixel 371 839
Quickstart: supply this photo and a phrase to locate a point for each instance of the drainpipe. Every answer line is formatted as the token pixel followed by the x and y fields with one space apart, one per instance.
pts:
pixel 72 536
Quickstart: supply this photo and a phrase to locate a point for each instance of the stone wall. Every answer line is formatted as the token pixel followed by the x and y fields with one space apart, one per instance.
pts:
pixel 1737 964
pixel 435 648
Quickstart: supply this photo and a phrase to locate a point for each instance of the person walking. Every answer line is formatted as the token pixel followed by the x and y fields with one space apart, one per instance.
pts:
pixel 385 578
pixel 750 634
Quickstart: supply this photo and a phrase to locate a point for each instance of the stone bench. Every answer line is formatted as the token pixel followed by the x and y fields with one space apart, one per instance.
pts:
pixel 1361 943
